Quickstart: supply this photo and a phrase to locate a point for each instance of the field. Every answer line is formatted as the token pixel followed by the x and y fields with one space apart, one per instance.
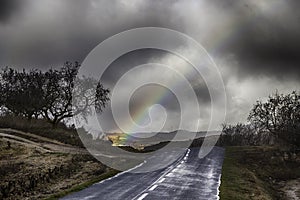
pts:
pixel 35 167
pixel 260 173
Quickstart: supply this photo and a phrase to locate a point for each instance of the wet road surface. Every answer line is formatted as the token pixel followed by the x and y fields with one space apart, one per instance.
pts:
pixel 189 177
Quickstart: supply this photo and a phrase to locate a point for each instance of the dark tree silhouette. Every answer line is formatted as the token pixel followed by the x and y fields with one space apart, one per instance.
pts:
pixel 244 134
pixel 66 97
pixel 280 115
pixel 21 92
pixel 51 94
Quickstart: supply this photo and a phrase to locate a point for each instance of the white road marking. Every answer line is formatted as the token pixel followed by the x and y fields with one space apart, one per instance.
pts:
pixel 219 184
pixel 161 180
pixel 105 180
pixel 153 187
pixel 88 197
pixel 143 196
pixel 169 175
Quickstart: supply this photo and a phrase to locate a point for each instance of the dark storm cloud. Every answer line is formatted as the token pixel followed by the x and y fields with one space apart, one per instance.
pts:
pixel 139 57
pixel 273 53
pixel 277 58
pixel 8 8
pixel 127 61
pixel 267 41
pixel 260 37
pixel 51 31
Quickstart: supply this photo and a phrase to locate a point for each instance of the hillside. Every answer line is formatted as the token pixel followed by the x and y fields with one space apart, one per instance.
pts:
pixel 35 167
pixel 260 173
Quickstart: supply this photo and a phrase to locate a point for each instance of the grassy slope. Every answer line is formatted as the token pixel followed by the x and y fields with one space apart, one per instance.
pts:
pixel 21 162
pixel 84 185
pixel 253 173
pixel 30 173
pixel 42 128
pixel 54 174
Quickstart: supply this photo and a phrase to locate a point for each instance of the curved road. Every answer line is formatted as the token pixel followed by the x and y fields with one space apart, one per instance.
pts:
pixel 188 178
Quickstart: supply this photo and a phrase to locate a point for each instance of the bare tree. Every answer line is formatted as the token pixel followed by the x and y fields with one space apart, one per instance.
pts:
pixel 66 97
pixel 22 91
pixel 51 94
pixel 280 115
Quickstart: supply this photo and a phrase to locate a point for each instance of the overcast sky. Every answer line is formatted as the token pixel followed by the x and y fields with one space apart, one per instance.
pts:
pixel 255 44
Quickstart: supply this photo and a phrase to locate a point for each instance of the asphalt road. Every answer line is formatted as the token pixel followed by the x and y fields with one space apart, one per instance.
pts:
pixel 189 177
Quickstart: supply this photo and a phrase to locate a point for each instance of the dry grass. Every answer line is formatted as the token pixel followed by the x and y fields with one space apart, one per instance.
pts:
pixel 41 127
pixel 255 172
pixel 28 173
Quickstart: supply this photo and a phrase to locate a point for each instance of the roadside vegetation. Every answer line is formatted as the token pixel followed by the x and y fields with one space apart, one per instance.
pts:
pixel 42 102
pixel 35 167
pixel 50 95
pixel 61 132
pixel 263 155
pixel 259 172
pixel 41 154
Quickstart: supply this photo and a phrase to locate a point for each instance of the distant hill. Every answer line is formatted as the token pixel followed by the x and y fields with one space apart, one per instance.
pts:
pixel 139 140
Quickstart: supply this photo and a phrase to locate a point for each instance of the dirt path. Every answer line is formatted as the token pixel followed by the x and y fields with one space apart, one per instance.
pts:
pixel 39 142
pixel 33 167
